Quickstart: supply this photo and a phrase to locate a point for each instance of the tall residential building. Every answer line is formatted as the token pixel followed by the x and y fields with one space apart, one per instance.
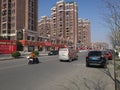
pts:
pixel 64 19
pixel 19 19
pixel 84 33
pixel 44 25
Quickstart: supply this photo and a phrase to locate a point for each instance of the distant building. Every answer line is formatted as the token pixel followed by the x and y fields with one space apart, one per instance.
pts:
pixel 100 46
pixel 84 33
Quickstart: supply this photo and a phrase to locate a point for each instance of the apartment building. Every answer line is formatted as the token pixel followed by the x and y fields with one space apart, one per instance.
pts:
pixel 64 22
pixel 44 25
pixel 19 16
pixel 19 19
pixel 84 33
pixel 100 45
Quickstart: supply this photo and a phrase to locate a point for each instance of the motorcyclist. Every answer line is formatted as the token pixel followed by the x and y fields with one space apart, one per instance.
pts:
pixel 34 57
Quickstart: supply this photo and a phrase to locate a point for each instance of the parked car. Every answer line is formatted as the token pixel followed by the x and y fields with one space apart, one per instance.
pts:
pixel 96 58
pixel 53 52
pixel 109 55
pixel 67 54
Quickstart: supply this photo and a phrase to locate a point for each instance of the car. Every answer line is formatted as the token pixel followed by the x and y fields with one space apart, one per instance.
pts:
pixel 53 52
pixel 96 58
pixel 67 54
pixel 109 55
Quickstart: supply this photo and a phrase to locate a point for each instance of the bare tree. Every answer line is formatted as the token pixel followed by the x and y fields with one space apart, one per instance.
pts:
pixel 112 19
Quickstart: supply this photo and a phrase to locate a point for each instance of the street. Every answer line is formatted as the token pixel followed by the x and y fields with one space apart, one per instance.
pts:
pixel 51 74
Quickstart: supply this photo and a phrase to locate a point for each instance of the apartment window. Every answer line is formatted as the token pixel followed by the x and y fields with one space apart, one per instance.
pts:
pixel 4 19
pixel 67 13
pixel 60 18
pixel 13 24
pixel 28 37
pixel 33 38
pixel 60 23
pixel 4 1
pixel 4 26
pixel 61 7
pixel 9 19
pixel 54 25
pixel 67 7
pixel 4 13
pixel 9 26
pixel 4 31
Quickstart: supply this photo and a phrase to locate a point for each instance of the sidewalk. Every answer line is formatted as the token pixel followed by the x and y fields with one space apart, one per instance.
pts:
pixel 23 54
pixel 111 70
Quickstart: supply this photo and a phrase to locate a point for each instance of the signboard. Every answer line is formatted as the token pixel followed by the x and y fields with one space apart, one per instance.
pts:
pixel 7 46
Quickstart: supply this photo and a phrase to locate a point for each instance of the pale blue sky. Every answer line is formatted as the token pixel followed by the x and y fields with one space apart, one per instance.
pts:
pixel 87 9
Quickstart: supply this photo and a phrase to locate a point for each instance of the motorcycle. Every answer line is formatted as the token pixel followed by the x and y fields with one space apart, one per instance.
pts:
pixel 33 60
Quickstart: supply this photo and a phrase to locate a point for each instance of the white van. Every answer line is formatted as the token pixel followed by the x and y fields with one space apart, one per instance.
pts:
pixel 67 54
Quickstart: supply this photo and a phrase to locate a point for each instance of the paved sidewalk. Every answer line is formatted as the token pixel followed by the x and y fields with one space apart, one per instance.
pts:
pixel 23 54
pixel 111 71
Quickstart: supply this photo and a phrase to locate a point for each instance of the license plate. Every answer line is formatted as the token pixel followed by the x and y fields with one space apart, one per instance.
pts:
pixel 94 58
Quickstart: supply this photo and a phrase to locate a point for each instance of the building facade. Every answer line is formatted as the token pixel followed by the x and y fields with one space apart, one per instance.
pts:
pixel 84 33
pixel 64 22
pixel 19 20
pixel 100 45
pixel 44 25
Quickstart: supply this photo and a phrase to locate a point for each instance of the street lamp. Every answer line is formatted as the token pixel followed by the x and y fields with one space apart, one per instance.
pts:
pixel 24 34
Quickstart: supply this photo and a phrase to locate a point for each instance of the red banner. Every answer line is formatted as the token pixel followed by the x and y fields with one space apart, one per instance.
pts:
pixel 7 46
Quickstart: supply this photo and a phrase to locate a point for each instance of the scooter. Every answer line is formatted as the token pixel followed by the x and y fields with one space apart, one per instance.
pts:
pixel 33 60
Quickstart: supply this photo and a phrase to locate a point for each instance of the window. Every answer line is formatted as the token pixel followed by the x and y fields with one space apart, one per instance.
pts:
pixel 33 38
pixel 4 26
pixel 4 31
pixel 28 37
pixel 4 19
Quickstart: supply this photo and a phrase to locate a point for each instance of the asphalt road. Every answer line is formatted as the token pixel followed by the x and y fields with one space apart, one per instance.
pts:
pixel 51 74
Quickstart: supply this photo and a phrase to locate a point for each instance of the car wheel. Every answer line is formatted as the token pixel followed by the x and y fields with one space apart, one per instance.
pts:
pixel 87 65
pixel 60 60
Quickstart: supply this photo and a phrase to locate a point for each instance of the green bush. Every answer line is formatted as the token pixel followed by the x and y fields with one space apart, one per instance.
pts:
pixel 16 54
pixel 36 52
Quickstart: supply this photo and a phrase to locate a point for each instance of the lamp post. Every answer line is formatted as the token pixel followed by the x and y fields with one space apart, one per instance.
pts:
pixel 24 34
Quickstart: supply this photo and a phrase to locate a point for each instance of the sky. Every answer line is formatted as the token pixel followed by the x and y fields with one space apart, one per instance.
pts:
pixel 87 9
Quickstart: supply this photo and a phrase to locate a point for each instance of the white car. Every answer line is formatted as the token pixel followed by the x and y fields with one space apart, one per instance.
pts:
pixel 67 54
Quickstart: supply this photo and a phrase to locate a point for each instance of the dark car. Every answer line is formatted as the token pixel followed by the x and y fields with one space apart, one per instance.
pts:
pixel 53 52
pixel 96 58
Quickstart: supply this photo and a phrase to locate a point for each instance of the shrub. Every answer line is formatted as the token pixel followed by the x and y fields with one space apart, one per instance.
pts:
pixel 36 52
pixel 16 54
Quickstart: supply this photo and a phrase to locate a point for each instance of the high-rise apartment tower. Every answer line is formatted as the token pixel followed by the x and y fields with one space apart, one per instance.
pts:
pixel 64 19
pixel 19 19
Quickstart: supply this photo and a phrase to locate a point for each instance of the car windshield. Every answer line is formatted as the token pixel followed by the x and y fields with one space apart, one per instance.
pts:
pixel 95 53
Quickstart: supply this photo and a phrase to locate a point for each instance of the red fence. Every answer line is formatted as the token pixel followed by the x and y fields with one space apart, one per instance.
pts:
pixel 7 46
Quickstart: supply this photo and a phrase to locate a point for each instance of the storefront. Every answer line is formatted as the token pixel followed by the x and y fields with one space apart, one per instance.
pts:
pixel 7 46
pixel 40 46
